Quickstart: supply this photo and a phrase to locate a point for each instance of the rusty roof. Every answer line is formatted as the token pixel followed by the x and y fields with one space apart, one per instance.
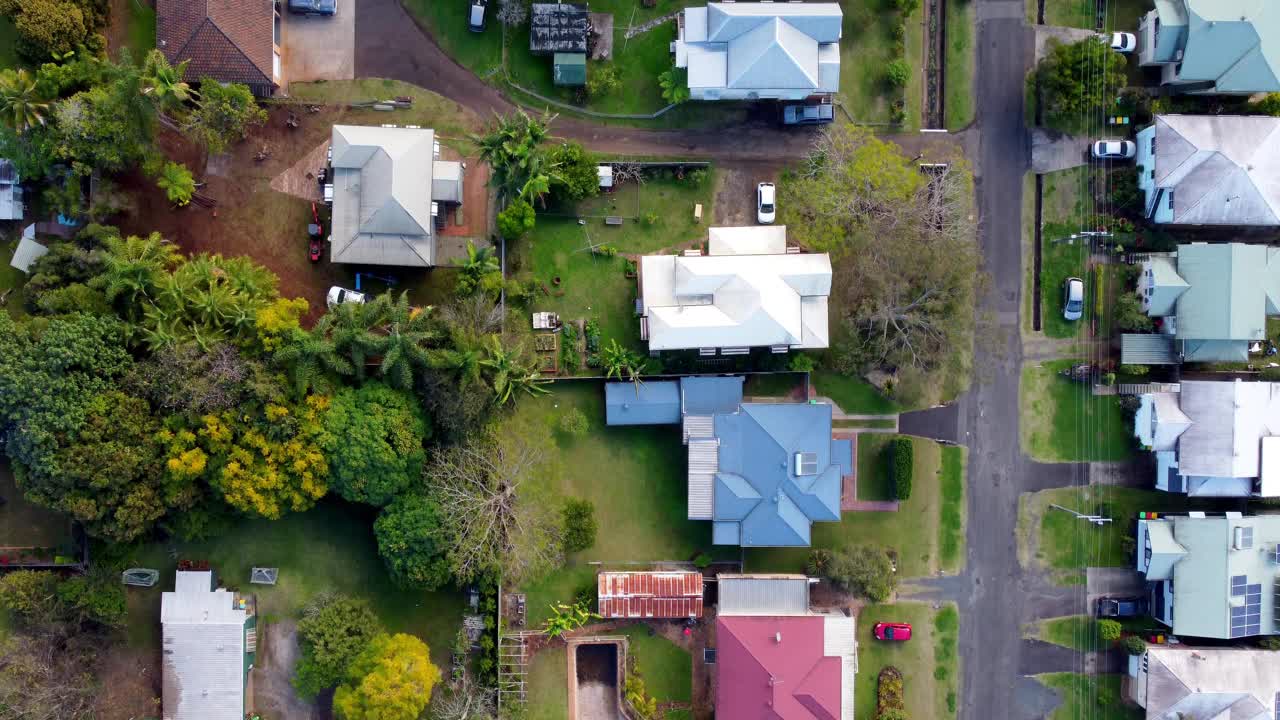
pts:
pixel 655 594
pixel 227 40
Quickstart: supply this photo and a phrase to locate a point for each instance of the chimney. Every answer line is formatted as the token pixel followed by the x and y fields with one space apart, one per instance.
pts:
pixel 777 637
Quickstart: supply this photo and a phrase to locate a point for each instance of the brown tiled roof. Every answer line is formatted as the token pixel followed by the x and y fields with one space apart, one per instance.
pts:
pixel 227 40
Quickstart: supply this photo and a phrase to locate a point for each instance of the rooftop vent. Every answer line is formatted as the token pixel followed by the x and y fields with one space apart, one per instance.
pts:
pixel 806 463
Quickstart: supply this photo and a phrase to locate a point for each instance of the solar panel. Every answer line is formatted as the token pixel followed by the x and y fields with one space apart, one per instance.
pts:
pixel 1238 583
pixel 1246 537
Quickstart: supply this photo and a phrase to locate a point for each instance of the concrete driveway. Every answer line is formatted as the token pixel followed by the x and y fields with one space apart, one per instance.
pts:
pixel 320 48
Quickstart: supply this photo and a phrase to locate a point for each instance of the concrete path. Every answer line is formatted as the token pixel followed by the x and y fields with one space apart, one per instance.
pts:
pixel 1052 150
pixel 1113 581
pixel 1063 35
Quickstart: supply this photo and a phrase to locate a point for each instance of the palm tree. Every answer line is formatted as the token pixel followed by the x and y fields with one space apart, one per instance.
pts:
pixel 479 264
pixel 135 269
pixel 508 373
pixel 163 84
pixel 350 327
pixel 510 148
pixel 309 358
pixel 21 106
pixel 403 348
pixel 177 183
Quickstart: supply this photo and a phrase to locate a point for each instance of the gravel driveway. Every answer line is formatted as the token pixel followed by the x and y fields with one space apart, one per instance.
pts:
pixel 273 694
pixel 320 48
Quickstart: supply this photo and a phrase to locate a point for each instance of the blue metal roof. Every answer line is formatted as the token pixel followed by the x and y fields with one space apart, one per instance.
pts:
pixel 654 403
pixel 757 450
pixel 711 395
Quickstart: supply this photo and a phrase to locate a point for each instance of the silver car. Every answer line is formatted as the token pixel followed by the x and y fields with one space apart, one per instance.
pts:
pixel 1073 299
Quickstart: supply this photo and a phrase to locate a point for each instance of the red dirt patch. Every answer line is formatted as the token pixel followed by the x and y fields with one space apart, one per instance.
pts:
pixel 129 679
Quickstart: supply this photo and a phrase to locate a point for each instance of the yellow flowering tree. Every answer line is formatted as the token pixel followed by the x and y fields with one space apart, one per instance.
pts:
pixel 391 679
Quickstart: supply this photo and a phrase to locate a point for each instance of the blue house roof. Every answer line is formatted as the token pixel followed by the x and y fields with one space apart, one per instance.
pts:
pixel 758 486
pixel 655 403
pixel 711 395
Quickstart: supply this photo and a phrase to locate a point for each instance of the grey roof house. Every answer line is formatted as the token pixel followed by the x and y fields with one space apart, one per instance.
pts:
pixel 760 50
pixel 1211 170
pixel 750 290
pixel 1177 683
pixel 1211 302
pixel 1212 577
pixel 1213 438
pixel 209 645
pixel 1213 46
pixel 763 473
pixel 388 185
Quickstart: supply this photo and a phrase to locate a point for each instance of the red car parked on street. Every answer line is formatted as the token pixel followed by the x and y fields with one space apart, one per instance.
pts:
pixel 893 632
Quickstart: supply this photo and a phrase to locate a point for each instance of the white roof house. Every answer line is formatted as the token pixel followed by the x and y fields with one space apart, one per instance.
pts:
pixel 28 251
pixel 1205 682
pixel 748 51
pixel 10 192
pixel 748 292
pixel 384 182
pixel 1211 169
pixel 208 649
pixel 1214 438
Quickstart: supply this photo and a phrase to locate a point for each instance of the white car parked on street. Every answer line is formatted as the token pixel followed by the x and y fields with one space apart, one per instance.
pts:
pixel 1114 149
pixel 765 210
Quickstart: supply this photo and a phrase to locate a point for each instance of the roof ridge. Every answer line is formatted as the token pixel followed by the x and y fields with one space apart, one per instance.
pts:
pixel 236 45
pixel 191 36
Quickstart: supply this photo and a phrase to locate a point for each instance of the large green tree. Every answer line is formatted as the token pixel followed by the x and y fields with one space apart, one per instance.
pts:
pixel 373 439
pixel 107 127
pixel 391 679
pixel 577 176
pixel 512 147
pixel 332 632
pixel 412 542
pixel 1078 82
pixel 225 115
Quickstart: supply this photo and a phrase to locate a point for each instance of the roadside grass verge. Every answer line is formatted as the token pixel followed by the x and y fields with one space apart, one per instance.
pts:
pixel 451 121
pixel 1122 15
pixel 912 532
pixel 958 105
pixel 640 504
pixel 854 395
pixel 1062 259
pixel 946 660
pixel 951 523
pixel 329 548
pixel 1080 632
pixel 548 697
pixel 1028 251
pixel 1063 421
pixel 1093 696
pixel 447 22
pixel 875 468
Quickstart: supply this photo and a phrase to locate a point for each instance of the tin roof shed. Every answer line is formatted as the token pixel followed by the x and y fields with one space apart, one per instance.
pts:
pixel 558 28
pixel 569 69
pixel 653 594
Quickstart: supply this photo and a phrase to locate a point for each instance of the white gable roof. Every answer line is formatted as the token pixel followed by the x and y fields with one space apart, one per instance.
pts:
pixel 382 181
pixel 1228 421
pixel 203 650
pixel 737 300
pixel 1224 169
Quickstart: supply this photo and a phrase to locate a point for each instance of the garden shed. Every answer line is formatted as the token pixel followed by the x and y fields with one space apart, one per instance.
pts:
pixel 558 28
pixel 569 69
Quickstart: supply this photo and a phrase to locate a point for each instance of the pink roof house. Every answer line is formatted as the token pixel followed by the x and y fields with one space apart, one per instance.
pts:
pixel 785 667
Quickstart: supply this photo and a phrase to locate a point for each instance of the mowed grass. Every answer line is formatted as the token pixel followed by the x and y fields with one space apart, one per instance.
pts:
pixel 25 524
pixel 958 104
pixel 451 121
pixel 1065 542
pixel 951 523
pixel 594 285
pixel 854 395
pixel 635 477
pixel 866 48
pixel 12 280
pixel 875 468
pixel 928 662
pixel 548 697
pixel 447 23
pixel 1063 421
pixel 329 548
pixel 912 532
pixel 1080 632
pixel 1062 259
pixel 1122 15
pixel 666 668
pixel 1096 697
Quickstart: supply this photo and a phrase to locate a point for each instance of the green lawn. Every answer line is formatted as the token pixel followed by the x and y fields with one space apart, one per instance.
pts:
pixel 866 48
pixel 1064 542
pixel 447 23
pixel 593 285
pixel 1080 632
pixel 12 279
pixel 1093 696
pixel 912 532
pixel 635 477
pixel 1063 421
pixel 958 103
pixel 854 395
pixel 9 45
pixel 328 548
pixel 548 697
pixel 666 668
pixel 929 664
pixel 875 468
pixel 951 523
pixel 451 121
pixel 1062 259
pixel 25 524
pixel 1121 14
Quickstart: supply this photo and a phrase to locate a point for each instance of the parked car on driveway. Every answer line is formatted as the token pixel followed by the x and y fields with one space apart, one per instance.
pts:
pixel 819 114
pixel 314 7
pixel 1122 607
pixel 475 17
pixel 892 632
pixel 765 209
pixel 338 296
pixel 1123 42
pixel 1114 149
pixel 1073 299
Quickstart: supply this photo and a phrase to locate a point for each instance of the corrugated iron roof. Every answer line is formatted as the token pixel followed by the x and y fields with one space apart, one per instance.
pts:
pixel 1147 349
pixel 656 594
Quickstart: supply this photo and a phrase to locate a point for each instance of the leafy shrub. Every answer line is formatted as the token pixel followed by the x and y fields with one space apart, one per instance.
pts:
pixel 516 220
pixel 603 80
pixel 801 363
pixel 889 694
pixel 574 423
pixel 701 561
pixel 1128 315
pixel 1109 630
pixel 578 518
pixel 332 632
pixel 1269 643
pixel 697 177
pixel 902 455
pixel 1135 370
pixel 866 570
pixel 906 7
pixel 819 562
pixel 898 72
pixel 1133 645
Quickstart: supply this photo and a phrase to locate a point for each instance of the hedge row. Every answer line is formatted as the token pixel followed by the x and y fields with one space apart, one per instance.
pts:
pixel 902 453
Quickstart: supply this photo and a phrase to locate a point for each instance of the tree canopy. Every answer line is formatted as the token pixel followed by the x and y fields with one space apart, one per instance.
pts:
pixel 413 543
pixel 373 435
pixel 334 629
pixel 1078 81
pixel 391 679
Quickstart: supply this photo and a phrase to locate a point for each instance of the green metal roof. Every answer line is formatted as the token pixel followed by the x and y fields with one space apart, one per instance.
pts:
pixel 1235 43
pixel 569 69
pixel 1228 297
